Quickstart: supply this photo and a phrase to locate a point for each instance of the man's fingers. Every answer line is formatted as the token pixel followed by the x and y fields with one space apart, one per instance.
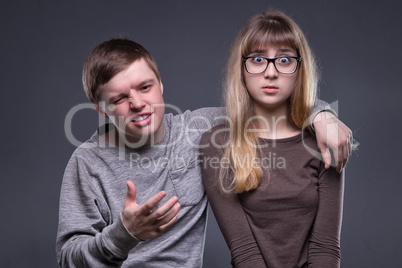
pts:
pixel 350 143
pixel 163 217
pixel 326 157
pixel 163 227
pixel 346 153
pixel 151 203
pixel 169 215
pixel 345 148
pixel 141 221
pixel 341 160
pixel 337 154
pixel 170 205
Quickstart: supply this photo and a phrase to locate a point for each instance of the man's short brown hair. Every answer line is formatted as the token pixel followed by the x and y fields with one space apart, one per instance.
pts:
pixel 108 59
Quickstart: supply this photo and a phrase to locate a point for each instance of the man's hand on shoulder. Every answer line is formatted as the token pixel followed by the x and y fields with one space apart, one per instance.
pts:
pixel 333 135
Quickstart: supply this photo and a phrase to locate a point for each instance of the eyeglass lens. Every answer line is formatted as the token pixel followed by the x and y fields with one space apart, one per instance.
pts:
pixel 285 65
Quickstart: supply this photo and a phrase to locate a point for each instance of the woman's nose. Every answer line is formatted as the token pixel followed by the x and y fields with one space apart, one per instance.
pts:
pixel 271 71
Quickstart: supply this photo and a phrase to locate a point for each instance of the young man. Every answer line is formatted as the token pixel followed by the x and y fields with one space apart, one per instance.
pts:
pixel 161 221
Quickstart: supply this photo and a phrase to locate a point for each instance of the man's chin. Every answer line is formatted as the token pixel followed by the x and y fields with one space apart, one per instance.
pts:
pixel 139 141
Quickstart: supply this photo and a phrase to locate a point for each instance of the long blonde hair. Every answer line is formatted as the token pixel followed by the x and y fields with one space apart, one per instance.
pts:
pixel 272 28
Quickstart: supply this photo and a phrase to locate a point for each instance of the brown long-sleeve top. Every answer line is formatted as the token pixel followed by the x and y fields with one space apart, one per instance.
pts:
pixel 292 219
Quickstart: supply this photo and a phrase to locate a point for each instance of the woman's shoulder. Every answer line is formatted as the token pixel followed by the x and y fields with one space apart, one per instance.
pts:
pixel 309 141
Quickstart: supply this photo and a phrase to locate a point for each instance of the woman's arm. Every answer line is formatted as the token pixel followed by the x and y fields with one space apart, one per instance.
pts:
pixel 324 246
pixel 229 213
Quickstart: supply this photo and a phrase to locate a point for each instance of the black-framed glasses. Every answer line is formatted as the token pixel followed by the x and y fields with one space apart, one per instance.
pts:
pixel 283 64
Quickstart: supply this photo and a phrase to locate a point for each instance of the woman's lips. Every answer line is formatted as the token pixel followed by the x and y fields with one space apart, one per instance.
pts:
pixel 270 89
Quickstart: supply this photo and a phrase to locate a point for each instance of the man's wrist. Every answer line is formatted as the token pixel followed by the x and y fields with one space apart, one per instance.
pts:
pixel 133 236
pixel 319 116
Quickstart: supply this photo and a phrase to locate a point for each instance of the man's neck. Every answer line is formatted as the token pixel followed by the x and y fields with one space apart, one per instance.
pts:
pixel 116 138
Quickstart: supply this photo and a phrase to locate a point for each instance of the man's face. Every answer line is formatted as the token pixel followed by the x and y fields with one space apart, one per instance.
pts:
pixel 134 103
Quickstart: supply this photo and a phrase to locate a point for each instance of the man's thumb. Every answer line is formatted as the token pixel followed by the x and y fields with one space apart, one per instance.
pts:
pixel 131 192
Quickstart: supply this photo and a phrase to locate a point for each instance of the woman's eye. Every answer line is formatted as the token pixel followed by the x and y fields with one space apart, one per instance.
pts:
pixel 284 60
pixel 258 59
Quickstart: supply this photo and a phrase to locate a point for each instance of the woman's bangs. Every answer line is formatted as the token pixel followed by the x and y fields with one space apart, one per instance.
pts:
pixel 270 37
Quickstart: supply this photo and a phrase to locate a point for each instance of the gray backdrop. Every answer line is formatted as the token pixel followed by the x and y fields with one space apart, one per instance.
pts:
pixel 42 49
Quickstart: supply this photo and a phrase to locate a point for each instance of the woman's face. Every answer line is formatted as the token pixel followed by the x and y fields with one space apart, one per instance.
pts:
pixel 270 89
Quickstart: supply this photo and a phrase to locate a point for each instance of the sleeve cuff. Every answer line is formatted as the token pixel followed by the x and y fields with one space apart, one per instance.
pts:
pixel 128 232
pixel 119 240
pixel 320 106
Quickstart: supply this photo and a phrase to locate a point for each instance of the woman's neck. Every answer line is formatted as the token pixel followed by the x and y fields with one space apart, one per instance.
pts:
pixel 274 123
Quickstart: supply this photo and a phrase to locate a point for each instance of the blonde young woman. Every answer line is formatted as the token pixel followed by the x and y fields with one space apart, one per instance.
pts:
pixel 275 202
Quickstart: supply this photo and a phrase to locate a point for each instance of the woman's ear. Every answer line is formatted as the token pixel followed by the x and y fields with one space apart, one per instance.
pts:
pixel 101 111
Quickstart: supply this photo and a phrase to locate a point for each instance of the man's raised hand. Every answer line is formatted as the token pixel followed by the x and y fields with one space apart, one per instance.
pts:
pixel 141 220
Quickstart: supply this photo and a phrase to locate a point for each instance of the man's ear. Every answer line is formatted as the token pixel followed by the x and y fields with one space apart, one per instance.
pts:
pixel 101 111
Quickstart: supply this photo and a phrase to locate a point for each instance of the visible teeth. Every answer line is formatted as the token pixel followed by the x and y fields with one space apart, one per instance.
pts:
pixel 142 117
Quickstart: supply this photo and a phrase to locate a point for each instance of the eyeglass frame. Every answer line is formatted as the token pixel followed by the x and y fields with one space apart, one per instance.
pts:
pixel 298 59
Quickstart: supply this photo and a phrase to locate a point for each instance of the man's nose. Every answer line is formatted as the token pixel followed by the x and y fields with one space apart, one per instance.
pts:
pixel 136 102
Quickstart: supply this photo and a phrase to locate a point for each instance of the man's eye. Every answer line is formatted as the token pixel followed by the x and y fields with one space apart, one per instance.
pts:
pixel 118 100
pixel 145 87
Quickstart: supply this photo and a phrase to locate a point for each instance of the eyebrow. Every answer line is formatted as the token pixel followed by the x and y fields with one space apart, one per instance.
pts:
pixel 280 50
pixel 258 51
pixel 121 94
pixel 286 50
pixel 116 97
pixel 148 81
